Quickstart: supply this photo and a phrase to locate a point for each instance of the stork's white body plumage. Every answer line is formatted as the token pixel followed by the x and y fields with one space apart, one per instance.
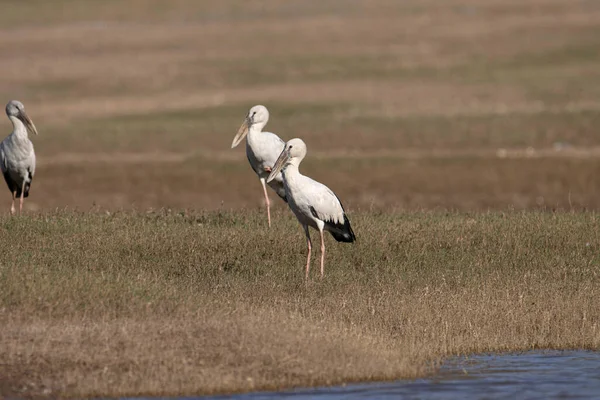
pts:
pixel 313 203
pixel 262 150
pixel 17 156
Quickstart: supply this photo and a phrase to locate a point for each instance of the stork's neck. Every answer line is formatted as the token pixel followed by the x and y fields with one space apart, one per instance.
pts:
pixel 254 134
pixel 256 128
pixel 291 172
pixel 19 129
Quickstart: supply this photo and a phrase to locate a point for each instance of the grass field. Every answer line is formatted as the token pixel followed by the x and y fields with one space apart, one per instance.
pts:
pixel 462 137
pixel 187 303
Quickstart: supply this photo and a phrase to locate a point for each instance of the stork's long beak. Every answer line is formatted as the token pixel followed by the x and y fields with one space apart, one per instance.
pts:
pixel 279 164
pixel 28 122
pixel 242 132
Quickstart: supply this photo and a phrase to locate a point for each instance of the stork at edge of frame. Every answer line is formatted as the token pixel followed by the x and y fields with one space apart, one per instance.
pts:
pixel 17 157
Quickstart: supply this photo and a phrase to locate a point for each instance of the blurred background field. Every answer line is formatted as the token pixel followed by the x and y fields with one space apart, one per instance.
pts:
pixel 465 105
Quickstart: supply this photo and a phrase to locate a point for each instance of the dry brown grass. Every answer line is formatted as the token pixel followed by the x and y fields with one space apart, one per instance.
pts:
pixel 186 303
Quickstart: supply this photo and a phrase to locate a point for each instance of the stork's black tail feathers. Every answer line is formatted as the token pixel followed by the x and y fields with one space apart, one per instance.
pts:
pixel 342 233
pixel 16 187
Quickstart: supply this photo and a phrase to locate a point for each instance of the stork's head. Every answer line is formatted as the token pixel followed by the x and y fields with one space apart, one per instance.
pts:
pixel 293 153
pixel 258 116
pixel 16 109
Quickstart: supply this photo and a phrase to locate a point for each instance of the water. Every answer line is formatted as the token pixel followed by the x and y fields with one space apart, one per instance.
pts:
pixel 529 375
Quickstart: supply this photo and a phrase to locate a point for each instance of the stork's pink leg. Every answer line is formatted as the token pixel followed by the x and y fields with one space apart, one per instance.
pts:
pixel 262 181
pixel 12 206
pixel 21 199
pixel 322 253
pixel 309 245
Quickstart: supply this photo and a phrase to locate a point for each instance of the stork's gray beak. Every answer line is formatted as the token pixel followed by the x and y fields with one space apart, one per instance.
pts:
pixel 28 122
pixel 242 132
pixel 279 164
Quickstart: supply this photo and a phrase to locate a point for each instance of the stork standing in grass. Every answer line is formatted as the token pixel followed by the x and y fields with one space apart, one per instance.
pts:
pixel 17 158
pixel 313 203
pixel 262 149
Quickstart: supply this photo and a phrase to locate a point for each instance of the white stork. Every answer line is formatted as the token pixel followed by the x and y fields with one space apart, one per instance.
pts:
pixel 313 203
pixel 262 150
pixel 17 158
